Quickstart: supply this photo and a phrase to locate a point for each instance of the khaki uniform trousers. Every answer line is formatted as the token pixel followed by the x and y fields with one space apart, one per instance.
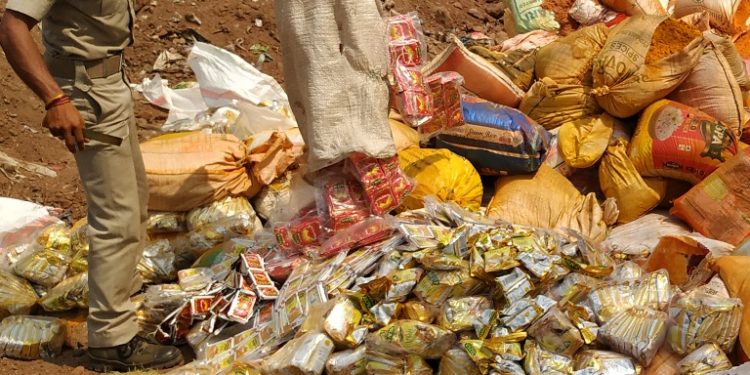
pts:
pixel 117 193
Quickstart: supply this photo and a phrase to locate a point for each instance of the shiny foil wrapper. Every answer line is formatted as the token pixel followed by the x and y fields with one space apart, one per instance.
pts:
pixel 303 355
pixel 637 332
pixel 412 337
pixel 17 296
pixel 385 313
pixel 347 362
pixel 568 285
pixel 506 345
pixel 653 291
pixel 523 312
pixel 44 266
pixel 500 259
pixel 402 283
pixel 166 222
pixel 457 362
pixel 583 319
pixel 609 300
pixel 515 285
pixel 541 362
pixel 157 265
pixel 420 311
pixel 379 363
pixel 439 261
pixel 58 238
pixel 537 262
pixel 437 286
pixel 462 314
pixel 232 211
pixel 606 363
pixel 707 359
pixel 555 333
pixel 700 319
pixel 31 337
pixel 341 321
pixel 505 367
pixel 192 279
pixel 627 271
pixel 71 293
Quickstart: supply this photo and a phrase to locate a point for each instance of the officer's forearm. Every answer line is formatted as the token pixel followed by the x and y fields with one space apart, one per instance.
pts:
pixel 23 55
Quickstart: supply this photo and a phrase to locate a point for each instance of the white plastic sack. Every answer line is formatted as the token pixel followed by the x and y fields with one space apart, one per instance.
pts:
pixel 256 119
pixel 20 219
pixel 640 237
pixel 335 61
pixel 183 104
pixel 225 77
pixel 590 12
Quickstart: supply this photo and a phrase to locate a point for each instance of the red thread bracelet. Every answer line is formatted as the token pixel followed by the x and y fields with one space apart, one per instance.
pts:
pixel 57 102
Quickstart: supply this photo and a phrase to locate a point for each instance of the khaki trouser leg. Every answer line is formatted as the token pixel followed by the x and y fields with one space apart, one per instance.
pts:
pixel 116 191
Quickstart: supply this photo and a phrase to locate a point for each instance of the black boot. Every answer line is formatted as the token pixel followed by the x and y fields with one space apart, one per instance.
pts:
pixel 134 355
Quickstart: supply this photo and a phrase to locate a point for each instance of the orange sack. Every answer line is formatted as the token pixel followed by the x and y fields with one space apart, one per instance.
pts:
pixel 719 206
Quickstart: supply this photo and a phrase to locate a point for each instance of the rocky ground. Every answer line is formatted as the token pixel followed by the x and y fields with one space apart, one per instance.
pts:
pixel 247 27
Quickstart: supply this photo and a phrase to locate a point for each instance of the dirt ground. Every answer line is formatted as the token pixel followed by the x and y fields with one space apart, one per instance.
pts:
pixel 237 25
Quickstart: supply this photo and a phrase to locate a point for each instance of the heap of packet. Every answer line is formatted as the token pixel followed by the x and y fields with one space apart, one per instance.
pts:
pixel 445 88
pixel 638 332
pixel 406 52
pixel 700 319
pixel 31 337
pixel 384 183
pixel 704 360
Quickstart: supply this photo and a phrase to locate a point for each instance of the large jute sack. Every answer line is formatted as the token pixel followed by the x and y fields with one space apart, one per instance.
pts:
pixel 733 271
pixel 547 200
pixel 568 60
pixel 480 76
pixel 442 174
pixel 620 180
pixel 736 61
pixel 719 206
pixel 638 7
pixel 584 141
pixel 645 58
pixel 676 141
pixel 712 88
pixel 188 170
pixel 727 16
pixel 552 104
pixel 335 61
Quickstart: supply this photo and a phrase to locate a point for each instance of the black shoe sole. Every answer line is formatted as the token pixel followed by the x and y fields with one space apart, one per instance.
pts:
pixel 107 365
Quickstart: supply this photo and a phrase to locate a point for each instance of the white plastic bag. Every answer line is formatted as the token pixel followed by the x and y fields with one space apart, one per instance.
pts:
pixel 183 104
pixel 225 77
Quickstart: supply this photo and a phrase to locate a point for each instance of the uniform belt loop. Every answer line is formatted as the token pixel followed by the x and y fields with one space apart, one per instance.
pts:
pixel 82 80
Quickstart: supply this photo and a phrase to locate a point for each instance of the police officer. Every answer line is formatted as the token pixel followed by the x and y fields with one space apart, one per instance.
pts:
pixel 89 106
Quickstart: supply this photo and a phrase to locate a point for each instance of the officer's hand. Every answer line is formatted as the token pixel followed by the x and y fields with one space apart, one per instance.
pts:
pixel 65 122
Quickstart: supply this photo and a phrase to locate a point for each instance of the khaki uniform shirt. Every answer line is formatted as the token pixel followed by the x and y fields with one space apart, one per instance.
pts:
pixel 81 29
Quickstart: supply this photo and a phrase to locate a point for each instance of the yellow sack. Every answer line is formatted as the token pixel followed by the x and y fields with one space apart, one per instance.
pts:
pixel 517 64
pixel 404 136
pixel 552 104
pixel 677 141
pixel 620 180
pixel 189 170
pixel 547 200
pixel 442 174
pixel 568 60
pixel 583 142
pixel 633 71
pixel 733 271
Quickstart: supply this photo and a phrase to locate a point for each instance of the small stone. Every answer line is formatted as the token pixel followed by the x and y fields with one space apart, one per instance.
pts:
pixel 258 22
pixel 458 5
pixel 193 19
pixel 476 13
pixel 442 16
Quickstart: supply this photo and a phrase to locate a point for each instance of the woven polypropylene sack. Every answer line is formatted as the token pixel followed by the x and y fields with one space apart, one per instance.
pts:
pixel 335 61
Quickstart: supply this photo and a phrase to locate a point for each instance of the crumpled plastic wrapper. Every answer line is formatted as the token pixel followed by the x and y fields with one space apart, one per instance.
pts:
pixel 637 332
pixel 700 319
pixel 31 337
pixel 522 313
pixel 386 312
pixel 348 362
pixel 556 333
pixel 71 293
pixel 157 264
pixel 610 299
pixel 80 248
pixel 437 286
pixel 704 360
pixel 541 362
pixel 233 211
pixel 17 296
pixel 438 261
pixel 571 284
pixel 46 267
pixel 166 222
pixel 606 363
pixel 401 284
pixel 514 285
pixel 56 237
pixel 379 363
pixel 457 362
pixel 412 337
pixel 192 279
pixel 627 271
pixel 305 355
pixel 653 291
pixel 341 322
pixel 420 311
pixel 462 314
